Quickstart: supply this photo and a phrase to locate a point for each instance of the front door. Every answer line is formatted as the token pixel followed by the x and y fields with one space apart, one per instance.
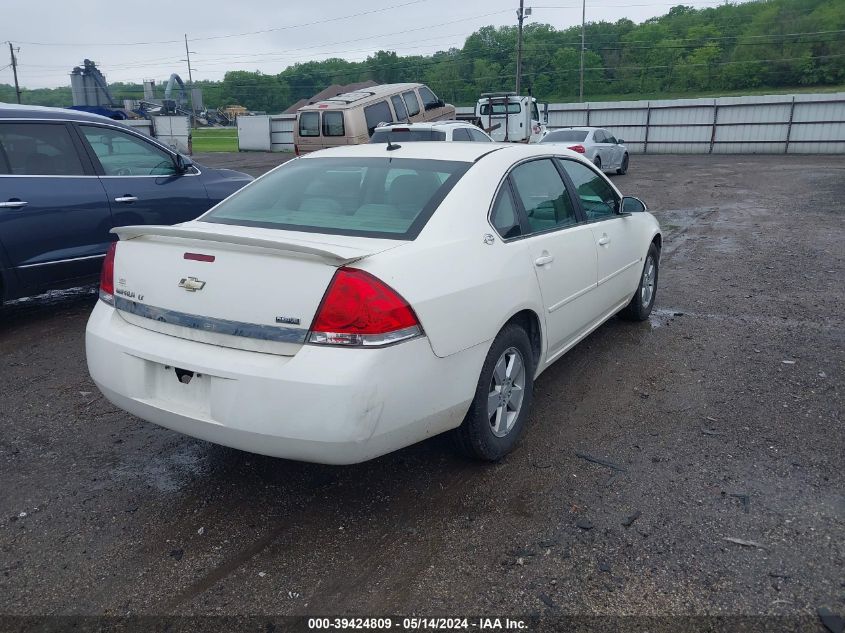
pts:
pixel 54 213
pixel 618 258
pixel 562 250
pixel 141 180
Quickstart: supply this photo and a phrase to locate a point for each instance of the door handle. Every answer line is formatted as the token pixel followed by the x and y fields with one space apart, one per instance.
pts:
pixel 604 240
pixel 126 199
pixel 543 260
pixel 13 204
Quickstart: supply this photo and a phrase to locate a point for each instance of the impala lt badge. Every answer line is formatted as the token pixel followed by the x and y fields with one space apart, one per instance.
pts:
pixel 191 284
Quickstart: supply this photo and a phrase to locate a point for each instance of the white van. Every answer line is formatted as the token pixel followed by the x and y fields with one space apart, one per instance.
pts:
pixel 509 117
pixel 351 118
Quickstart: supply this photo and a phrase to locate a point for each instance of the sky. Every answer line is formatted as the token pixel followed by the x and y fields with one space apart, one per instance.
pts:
pixel 135 41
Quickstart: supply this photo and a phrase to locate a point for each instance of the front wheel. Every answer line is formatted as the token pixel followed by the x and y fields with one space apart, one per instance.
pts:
pixel 641 304
pixel 496 418
pixel 623 168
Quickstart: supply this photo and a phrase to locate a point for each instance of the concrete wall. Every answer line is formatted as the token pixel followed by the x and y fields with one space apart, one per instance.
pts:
pixel 765 124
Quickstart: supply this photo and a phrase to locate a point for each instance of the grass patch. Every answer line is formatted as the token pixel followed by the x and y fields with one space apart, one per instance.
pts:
pixel 215 139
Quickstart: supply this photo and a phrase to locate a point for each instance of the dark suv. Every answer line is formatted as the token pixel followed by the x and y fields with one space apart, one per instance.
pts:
pixel 67 178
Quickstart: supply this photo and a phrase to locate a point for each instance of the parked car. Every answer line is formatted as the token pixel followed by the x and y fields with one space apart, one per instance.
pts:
pixel 352 117
pixel 598 145
pixel 361 299
pixel 511 118
pixel 434 131
pixel 67 178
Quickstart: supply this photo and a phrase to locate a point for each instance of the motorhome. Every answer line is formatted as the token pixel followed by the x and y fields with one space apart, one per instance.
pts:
pixel 509 117
pixel 351 118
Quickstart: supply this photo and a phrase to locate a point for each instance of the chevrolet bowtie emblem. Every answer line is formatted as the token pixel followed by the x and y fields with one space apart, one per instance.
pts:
pixel 191 284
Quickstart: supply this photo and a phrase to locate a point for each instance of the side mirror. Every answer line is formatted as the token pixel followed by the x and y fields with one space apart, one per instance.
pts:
pixel 183 163
pixel 619 141
pixel 630 204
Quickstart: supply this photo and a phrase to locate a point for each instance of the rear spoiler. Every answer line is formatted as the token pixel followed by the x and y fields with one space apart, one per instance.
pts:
pixel 335 254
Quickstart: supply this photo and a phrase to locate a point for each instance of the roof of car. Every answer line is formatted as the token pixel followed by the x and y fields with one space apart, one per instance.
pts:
pixel 425 125
pixel 580 128
pixel 461 152
pixel 15 111
pixel 359 97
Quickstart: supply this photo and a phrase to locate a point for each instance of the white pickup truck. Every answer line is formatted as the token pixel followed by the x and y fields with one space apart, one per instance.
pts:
pixel 509 117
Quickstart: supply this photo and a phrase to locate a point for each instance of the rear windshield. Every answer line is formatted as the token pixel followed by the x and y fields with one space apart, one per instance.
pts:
pixel 500 108
pixel 381 135
pixel 565 136
pixel 369 197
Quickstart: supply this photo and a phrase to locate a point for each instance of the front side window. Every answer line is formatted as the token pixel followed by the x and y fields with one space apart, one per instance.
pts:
pixel 123 154
pixel 309 124
pixel 333 124
pixel 598 199
pixel 38 149
pixel 429 99
pixel 377 113
pixel 543 195
pixel 371 197
pixel 505 217
pixel 411 102
pixel 399 108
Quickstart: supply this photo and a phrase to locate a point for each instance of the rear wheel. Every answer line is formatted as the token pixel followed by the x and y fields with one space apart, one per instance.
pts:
pixel 641 304
pixel 496 418
pixel 623 168
pixel 597 162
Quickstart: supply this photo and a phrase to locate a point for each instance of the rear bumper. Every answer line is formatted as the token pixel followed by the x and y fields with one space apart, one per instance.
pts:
pixel 325 404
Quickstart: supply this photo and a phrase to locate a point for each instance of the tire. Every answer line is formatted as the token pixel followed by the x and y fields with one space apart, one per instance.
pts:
pixel 641 304
pixel 623 169
pixel 597 162
pixel 478 436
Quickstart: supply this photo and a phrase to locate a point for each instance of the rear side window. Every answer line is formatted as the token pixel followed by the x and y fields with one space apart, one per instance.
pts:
pixel 309 124
pixel 543 195
pixel 369 197
pixel 399 108
pixel 382 134
pixel 411 102
pixel 504 216
pixel 479 136
pixel 598 199
pixel 38 149
pixel 377 113
pixel 460 134
pixel 565 136
pixel 333 124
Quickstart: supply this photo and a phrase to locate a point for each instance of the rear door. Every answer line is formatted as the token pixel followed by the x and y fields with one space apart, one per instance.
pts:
pixel 619 261
pixel 562 250
pixel 141 180
pixel 614 150
pixel 54 213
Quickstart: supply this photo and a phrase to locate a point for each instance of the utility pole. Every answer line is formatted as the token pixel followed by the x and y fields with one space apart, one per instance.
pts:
pixel 520 16
pixel 583 47
pixel 190 82
pixel 15 71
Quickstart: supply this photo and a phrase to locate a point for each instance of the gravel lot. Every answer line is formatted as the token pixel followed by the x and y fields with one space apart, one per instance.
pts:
pixel 720 419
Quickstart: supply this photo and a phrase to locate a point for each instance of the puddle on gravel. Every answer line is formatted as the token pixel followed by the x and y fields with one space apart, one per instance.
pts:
pixel 166 472
pixel 662 316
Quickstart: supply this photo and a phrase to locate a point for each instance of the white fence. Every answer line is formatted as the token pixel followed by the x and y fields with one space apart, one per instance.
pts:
pixel 174 131
pixel 268 133
pixel 771 124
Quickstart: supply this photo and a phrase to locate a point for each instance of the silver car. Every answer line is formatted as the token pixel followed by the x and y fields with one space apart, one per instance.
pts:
pixel 600 146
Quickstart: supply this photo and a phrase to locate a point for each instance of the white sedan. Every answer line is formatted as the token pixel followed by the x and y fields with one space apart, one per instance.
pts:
pixel 360 299
pixel 597 145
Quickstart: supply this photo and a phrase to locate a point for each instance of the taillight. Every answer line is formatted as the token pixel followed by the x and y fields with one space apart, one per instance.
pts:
pixel 107 276
pixel 360 310
pixel 578 148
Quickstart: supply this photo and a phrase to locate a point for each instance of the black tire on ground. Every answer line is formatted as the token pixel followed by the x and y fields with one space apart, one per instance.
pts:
pixel 476 437
pixel 623 169
pixel 641 304
pixel 597 162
